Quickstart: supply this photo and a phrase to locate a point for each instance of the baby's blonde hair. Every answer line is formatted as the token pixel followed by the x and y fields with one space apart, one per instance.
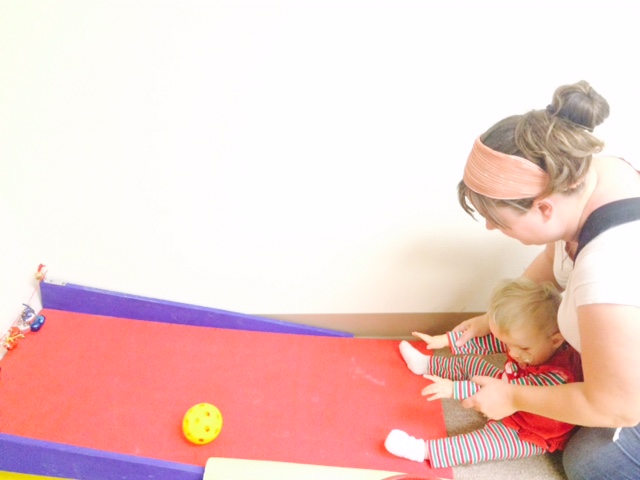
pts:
pixel 523 302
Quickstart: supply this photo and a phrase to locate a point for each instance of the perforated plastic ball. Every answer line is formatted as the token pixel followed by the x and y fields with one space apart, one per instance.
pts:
pixel 202 423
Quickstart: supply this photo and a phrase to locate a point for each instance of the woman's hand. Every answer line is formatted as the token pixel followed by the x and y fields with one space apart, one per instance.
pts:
pixel 473 327
pixel 494 400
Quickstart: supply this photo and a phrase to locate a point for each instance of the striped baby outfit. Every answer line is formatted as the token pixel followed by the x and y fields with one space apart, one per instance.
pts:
pixel 519 435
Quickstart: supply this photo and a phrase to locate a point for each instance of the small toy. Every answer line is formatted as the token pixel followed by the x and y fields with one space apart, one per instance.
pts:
pixel 29 321
pixel 23 326
pixel 37 323
pixel 28 314
pixel 41 273
pixel 202 423
pixel 12 337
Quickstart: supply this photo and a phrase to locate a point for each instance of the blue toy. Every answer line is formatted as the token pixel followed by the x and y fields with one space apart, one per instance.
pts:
pixel 37 323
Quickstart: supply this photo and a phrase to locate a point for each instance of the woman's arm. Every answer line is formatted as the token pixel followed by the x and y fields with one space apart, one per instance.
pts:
pixel 541 267
pixel 610 344
pixel 610 393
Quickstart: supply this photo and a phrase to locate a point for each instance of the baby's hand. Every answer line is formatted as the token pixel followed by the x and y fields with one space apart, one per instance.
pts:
pixel 474 327
pixel 433 342
pixel 440 388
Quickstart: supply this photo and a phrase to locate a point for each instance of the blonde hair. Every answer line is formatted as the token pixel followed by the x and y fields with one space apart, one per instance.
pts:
pixel 523 302
pixel 558 139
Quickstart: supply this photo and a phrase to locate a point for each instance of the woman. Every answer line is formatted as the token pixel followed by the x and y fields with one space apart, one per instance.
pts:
pixel 536 179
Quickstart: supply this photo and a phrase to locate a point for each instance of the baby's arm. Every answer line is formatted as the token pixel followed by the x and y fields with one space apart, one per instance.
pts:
pixel 444 388
pixel 434 342
pixel 460 369
pixel 542 378
pixel 440 388
pixel 477 346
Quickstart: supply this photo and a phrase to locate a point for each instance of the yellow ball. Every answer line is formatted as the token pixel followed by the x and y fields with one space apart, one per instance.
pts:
pixel 202 423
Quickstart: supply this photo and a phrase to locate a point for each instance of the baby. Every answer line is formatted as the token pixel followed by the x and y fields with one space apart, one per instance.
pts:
pixel 523 323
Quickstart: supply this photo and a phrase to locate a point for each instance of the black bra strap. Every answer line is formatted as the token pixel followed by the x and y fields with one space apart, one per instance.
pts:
pixel 607 216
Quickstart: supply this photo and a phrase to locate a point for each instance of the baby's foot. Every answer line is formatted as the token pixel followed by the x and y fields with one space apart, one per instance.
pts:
pixel 417 362
pixel 403 445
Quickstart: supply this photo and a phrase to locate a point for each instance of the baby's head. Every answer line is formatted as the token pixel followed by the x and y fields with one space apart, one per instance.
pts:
pixel 523 314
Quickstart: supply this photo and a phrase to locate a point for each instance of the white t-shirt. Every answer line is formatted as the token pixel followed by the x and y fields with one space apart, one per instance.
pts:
pixel 605 272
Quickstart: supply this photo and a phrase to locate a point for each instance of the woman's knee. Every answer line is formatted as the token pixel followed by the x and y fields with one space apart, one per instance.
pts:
pixel 591 454
pixel 578 458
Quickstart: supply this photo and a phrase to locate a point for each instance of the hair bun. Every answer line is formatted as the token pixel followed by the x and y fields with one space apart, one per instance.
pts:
pixel 580 104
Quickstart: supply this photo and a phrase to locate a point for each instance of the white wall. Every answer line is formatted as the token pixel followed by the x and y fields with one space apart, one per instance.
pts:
pixel 279 156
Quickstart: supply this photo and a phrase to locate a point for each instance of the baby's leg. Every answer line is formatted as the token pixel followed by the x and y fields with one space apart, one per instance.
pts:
pixel 457 368
pixel 492 442
pixel 461 367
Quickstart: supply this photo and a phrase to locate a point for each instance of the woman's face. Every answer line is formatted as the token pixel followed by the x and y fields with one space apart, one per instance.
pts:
pixel 533 227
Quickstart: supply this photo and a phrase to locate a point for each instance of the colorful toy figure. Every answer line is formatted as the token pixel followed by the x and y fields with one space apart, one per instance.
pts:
pixel 28 322
pixel 12 337
pixel 28 314
pixel 202 423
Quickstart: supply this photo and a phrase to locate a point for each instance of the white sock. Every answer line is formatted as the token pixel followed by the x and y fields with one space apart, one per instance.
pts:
pixel 403 445
pixel 417 362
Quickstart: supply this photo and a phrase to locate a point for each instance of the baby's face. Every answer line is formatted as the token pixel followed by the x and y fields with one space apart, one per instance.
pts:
pixel 527 345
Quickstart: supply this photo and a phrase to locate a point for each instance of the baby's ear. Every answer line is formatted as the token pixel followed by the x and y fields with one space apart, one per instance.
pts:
pixel 557 339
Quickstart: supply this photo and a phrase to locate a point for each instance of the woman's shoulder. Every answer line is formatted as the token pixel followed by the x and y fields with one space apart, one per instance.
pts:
pixel 618 241
pixel 601 271
pixel 612 164
pixel 616 179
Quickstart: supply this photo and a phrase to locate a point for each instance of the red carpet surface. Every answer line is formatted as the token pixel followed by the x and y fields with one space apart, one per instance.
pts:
pixel 124 386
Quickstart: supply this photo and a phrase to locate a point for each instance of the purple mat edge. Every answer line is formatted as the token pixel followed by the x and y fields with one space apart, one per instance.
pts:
pixel 37 457
pixel 76 298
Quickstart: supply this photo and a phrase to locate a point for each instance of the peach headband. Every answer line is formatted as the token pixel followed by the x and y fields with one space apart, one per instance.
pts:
pixel 501 176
